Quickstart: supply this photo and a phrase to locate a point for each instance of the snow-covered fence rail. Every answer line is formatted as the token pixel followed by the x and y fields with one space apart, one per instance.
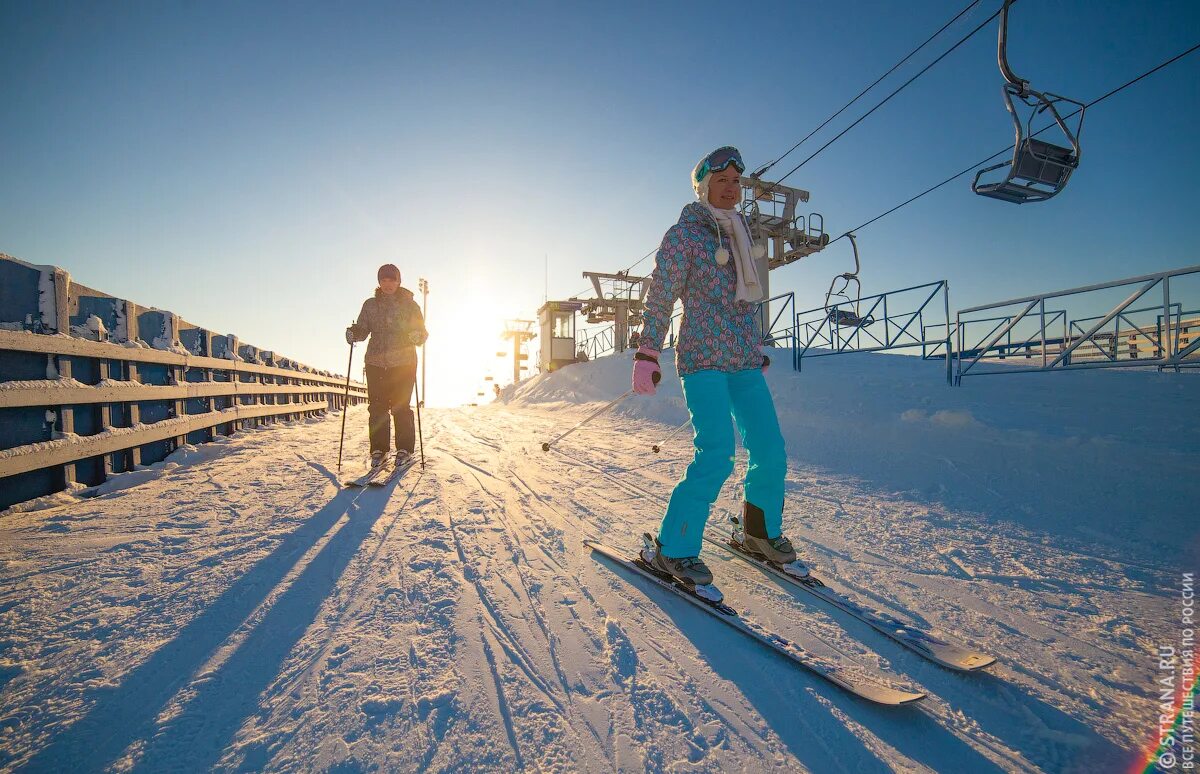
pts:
pixel 1165 334
pixel 92 385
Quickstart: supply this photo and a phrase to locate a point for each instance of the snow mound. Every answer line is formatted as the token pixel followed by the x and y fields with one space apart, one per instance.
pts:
pixel 1104 455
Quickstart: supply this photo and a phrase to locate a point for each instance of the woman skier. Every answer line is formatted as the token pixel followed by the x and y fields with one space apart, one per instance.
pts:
pixel 707 259
pixel 394 322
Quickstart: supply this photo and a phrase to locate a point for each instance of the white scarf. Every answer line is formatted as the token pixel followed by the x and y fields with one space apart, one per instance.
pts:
pixel 748 287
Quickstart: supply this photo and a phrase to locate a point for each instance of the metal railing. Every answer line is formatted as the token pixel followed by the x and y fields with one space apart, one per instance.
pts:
pixel 1124 342
pixel 1010 346
pixel 936 346
pixel 599 343
pixel 772 333
pixel 1084 342
pixel 819 335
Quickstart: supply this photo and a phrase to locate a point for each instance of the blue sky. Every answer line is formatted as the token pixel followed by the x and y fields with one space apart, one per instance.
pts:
pixel 250 165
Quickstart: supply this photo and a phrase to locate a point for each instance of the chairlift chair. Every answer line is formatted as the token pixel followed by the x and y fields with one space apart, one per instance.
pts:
pixel 837 314
pixel 1038 169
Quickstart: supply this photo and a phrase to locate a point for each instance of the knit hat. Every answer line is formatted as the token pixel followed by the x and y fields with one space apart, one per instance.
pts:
pixel 389 271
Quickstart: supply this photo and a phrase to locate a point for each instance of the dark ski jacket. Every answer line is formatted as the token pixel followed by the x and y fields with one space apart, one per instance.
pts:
pixel 391 321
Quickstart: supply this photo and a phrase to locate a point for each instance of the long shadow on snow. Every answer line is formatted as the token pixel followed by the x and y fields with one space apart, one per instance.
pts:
pixel 999 707
pixel 778 688
pixel 122 715
pixel 221 704
pixel 334 478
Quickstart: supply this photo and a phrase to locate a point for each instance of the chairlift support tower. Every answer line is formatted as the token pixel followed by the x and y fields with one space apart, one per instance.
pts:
pixel 521 332
pixel 776 220
pixel 623 303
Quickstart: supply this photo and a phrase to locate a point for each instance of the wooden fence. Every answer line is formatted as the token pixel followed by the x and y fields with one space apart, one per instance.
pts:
pixel 83 397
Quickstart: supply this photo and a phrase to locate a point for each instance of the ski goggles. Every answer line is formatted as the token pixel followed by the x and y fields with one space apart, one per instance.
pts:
pixel 718 160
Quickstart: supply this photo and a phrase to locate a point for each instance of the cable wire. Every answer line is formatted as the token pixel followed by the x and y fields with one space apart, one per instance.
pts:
pixel 956 175
pixel 762 171
pixel 824 123
pixel 886 99
pixel 978 164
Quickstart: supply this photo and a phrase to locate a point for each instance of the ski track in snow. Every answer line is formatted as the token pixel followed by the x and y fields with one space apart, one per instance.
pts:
pixel 246 613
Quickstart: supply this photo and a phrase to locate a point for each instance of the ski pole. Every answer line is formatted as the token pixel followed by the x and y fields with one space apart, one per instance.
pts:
pixel 670 435
pixel 345 407
pixel 420 433
pixel 546 446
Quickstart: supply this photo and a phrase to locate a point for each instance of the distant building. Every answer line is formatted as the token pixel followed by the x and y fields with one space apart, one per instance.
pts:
pixel 1135 344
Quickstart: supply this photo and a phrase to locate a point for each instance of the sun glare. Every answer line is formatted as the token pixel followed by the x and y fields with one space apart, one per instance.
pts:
pixel 465 338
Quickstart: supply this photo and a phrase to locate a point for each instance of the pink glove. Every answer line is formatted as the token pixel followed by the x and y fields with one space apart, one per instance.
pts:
pixel 646 373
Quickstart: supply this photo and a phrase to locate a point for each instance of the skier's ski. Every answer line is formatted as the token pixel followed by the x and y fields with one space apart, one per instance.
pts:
pixel 843 674
pixel 912 636
pixel 392 472
pixel 372 474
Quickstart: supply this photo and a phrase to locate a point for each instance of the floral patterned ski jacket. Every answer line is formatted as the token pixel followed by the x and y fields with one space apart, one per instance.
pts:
pixel 717 331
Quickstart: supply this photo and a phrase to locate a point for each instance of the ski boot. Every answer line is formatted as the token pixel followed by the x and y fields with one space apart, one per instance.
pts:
pixel 688 571
pixel 377 459
pixel 403 458
pixel 750 535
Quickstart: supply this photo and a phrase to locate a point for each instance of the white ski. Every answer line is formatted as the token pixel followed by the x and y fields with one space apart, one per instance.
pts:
pixel 912 636
pixel 366 478
pixel 845 675
pixel 392 473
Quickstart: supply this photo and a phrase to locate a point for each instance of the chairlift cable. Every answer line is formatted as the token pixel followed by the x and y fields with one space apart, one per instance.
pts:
pixel 1170 61
pixel 885 100
pixel 625 271
pixel 977 164
pixel 763 170
pixel 824 123
pixel 974 166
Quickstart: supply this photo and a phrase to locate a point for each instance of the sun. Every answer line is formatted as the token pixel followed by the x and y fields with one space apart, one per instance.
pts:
pixel 464 338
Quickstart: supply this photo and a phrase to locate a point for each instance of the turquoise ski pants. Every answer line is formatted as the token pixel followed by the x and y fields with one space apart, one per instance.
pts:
pixel 712 396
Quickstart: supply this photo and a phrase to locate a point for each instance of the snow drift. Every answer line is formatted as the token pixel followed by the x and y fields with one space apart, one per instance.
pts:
pixel 1112 456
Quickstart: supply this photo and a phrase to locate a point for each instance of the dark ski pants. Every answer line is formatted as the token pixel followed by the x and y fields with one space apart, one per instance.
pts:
pixel 389 391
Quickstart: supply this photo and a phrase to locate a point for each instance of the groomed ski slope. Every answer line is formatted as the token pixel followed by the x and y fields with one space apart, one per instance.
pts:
pixel 237 610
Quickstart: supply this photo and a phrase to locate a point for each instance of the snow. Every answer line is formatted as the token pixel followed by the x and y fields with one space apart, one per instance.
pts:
pixel 42 384
pixel 47 300
pixel 66 439
pixel 236 609
pixel 167 343
pixel 62 383
pixel 92 330
pixel 1081 452
pixel 230 352
pixel 121 330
